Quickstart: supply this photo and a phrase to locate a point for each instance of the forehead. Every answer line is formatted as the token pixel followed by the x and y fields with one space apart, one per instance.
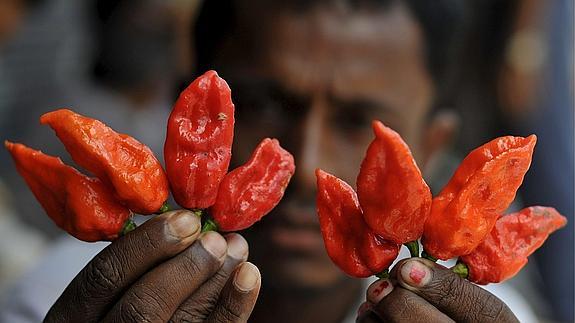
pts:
pixel 351 53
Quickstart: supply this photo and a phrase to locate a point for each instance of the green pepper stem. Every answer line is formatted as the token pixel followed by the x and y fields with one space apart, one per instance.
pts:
pixel 461 269
pixel 383 275
pixel 428 256
pixel 413 247
pixel 209 225
pixel 198 212
pixel 164 208
pixel 128 226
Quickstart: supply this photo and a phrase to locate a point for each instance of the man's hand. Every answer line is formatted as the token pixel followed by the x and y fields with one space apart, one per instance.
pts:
pixel 159 272
pixel 427 292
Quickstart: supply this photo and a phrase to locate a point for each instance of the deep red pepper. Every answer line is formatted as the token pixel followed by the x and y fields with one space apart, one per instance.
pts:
pixel 349 242
pixel 505 249
pixel 252 190
pixel 199 141
pixel 82 206
pixel 393 195
pixel 118 160
pixel 480 190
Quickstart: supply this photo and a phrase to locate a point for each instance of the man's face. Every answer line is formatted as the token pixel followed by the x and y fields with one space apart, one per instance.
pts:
pixel 321 77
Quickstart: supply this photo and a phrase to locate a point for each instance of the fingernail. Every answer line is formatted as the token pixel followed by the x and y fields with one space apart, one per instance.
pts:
pixel 214 243
pixel 237 246
pixel 364 307
pixel 247 277
pixel 378 290
pixel 415 273
pixel 183 224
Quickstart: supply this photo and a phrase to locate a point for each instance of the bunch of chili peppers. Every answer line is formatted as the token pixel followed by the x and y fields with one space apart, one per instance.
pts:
pixel 393 205
pixel 129 179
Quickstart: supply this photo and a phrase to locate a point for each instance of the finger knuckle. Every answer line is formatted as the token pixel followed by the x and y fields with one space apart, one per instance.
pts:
pixel 191 264
pixel 196 312
pixel 142 305
pixel 229 313
pixel 129 312
pixel 449 290
pixel 488 308
pixel 149 243
pixel 102 275
pixel 399 308
pixel 410 308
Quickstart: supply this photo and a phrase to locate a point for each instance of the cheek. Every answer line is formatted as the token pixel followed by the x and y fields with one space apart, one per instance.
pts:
pixel 346 151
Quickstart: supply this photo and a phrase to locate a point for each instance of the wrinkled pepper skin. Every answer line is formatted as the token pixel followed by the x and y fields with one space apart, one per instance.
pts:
pixel 394 198
pixel 349 242
pixel 118 160
pixel 481 189
pixel 198 144
pixel 252 190
pixel 82 206
pixel 515 237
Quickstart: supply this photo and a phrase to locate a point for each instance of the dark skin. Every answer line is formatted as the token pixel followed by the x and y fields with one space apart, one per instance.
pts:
pixel 164 271
pixel 437 296
pixel 315 80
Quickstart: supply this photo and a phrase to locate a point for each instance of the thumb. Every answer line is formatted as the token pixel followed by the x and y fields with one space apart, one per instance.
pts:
pixel 451 294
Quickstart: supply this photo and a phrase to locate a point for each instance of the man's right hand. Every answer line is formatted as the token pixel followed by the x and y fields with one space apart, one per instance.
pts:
pixel 164 271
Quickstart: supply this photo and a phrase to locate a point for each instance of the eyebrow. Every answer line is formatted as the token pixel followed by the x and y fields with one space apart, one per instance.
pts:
pixel 262 83
pixel 371 106
pixel 270 85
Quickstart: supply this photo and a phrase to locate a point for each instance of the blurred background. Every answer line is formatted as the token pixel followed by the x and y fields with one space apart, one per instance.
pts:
pixel 506 68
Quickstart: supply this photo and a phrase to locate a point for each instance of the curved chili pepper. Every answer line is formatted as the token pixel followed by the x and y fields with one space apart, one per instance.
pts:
pixel 482 188
pixel 81 205
pixel 199 141
pixel 505 249
pixel 118 160
pixel 252 190
pixel 349 242
pixel 393 195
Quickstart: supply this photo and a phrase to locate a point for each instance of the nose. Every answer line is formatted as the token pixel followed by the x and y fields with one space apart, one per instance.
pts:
pixel 312 145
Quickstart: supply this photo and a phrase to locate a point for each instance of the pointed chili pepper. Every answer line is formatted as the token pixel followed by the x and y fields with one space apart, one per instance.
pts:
pixel 199 141
pixel 252 190
pixel 393 195
pixel 505 249
pixel 349 242
pixel 122 162
pixel 480 190
pixel 81 205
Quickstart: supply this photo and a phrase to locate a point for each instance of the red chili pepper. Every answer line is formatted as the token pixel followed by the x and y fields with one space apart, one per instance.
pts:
pixel 482 188
pixel 349 242
pixel 252 190
pixel 118 160
pixel 199 141
pixel 82 206
pixel 393 195
pixel 505 249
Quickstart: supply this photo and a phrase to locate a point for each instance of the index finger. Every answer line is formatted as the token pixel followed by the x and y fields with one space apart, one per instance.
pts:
pixel 92 292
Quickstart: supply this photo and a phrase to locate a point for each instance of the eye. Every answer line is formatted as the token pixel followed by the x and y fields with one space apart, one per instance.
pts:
pixel 352 119
pixel 264 103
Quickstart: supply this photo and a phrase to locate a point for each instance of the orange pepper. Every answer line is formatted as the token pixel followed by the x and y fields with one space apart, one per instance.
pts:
pixel 122 162
pixel 82 206
pixel 393 195
pixel 481 189
pixel 505 249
